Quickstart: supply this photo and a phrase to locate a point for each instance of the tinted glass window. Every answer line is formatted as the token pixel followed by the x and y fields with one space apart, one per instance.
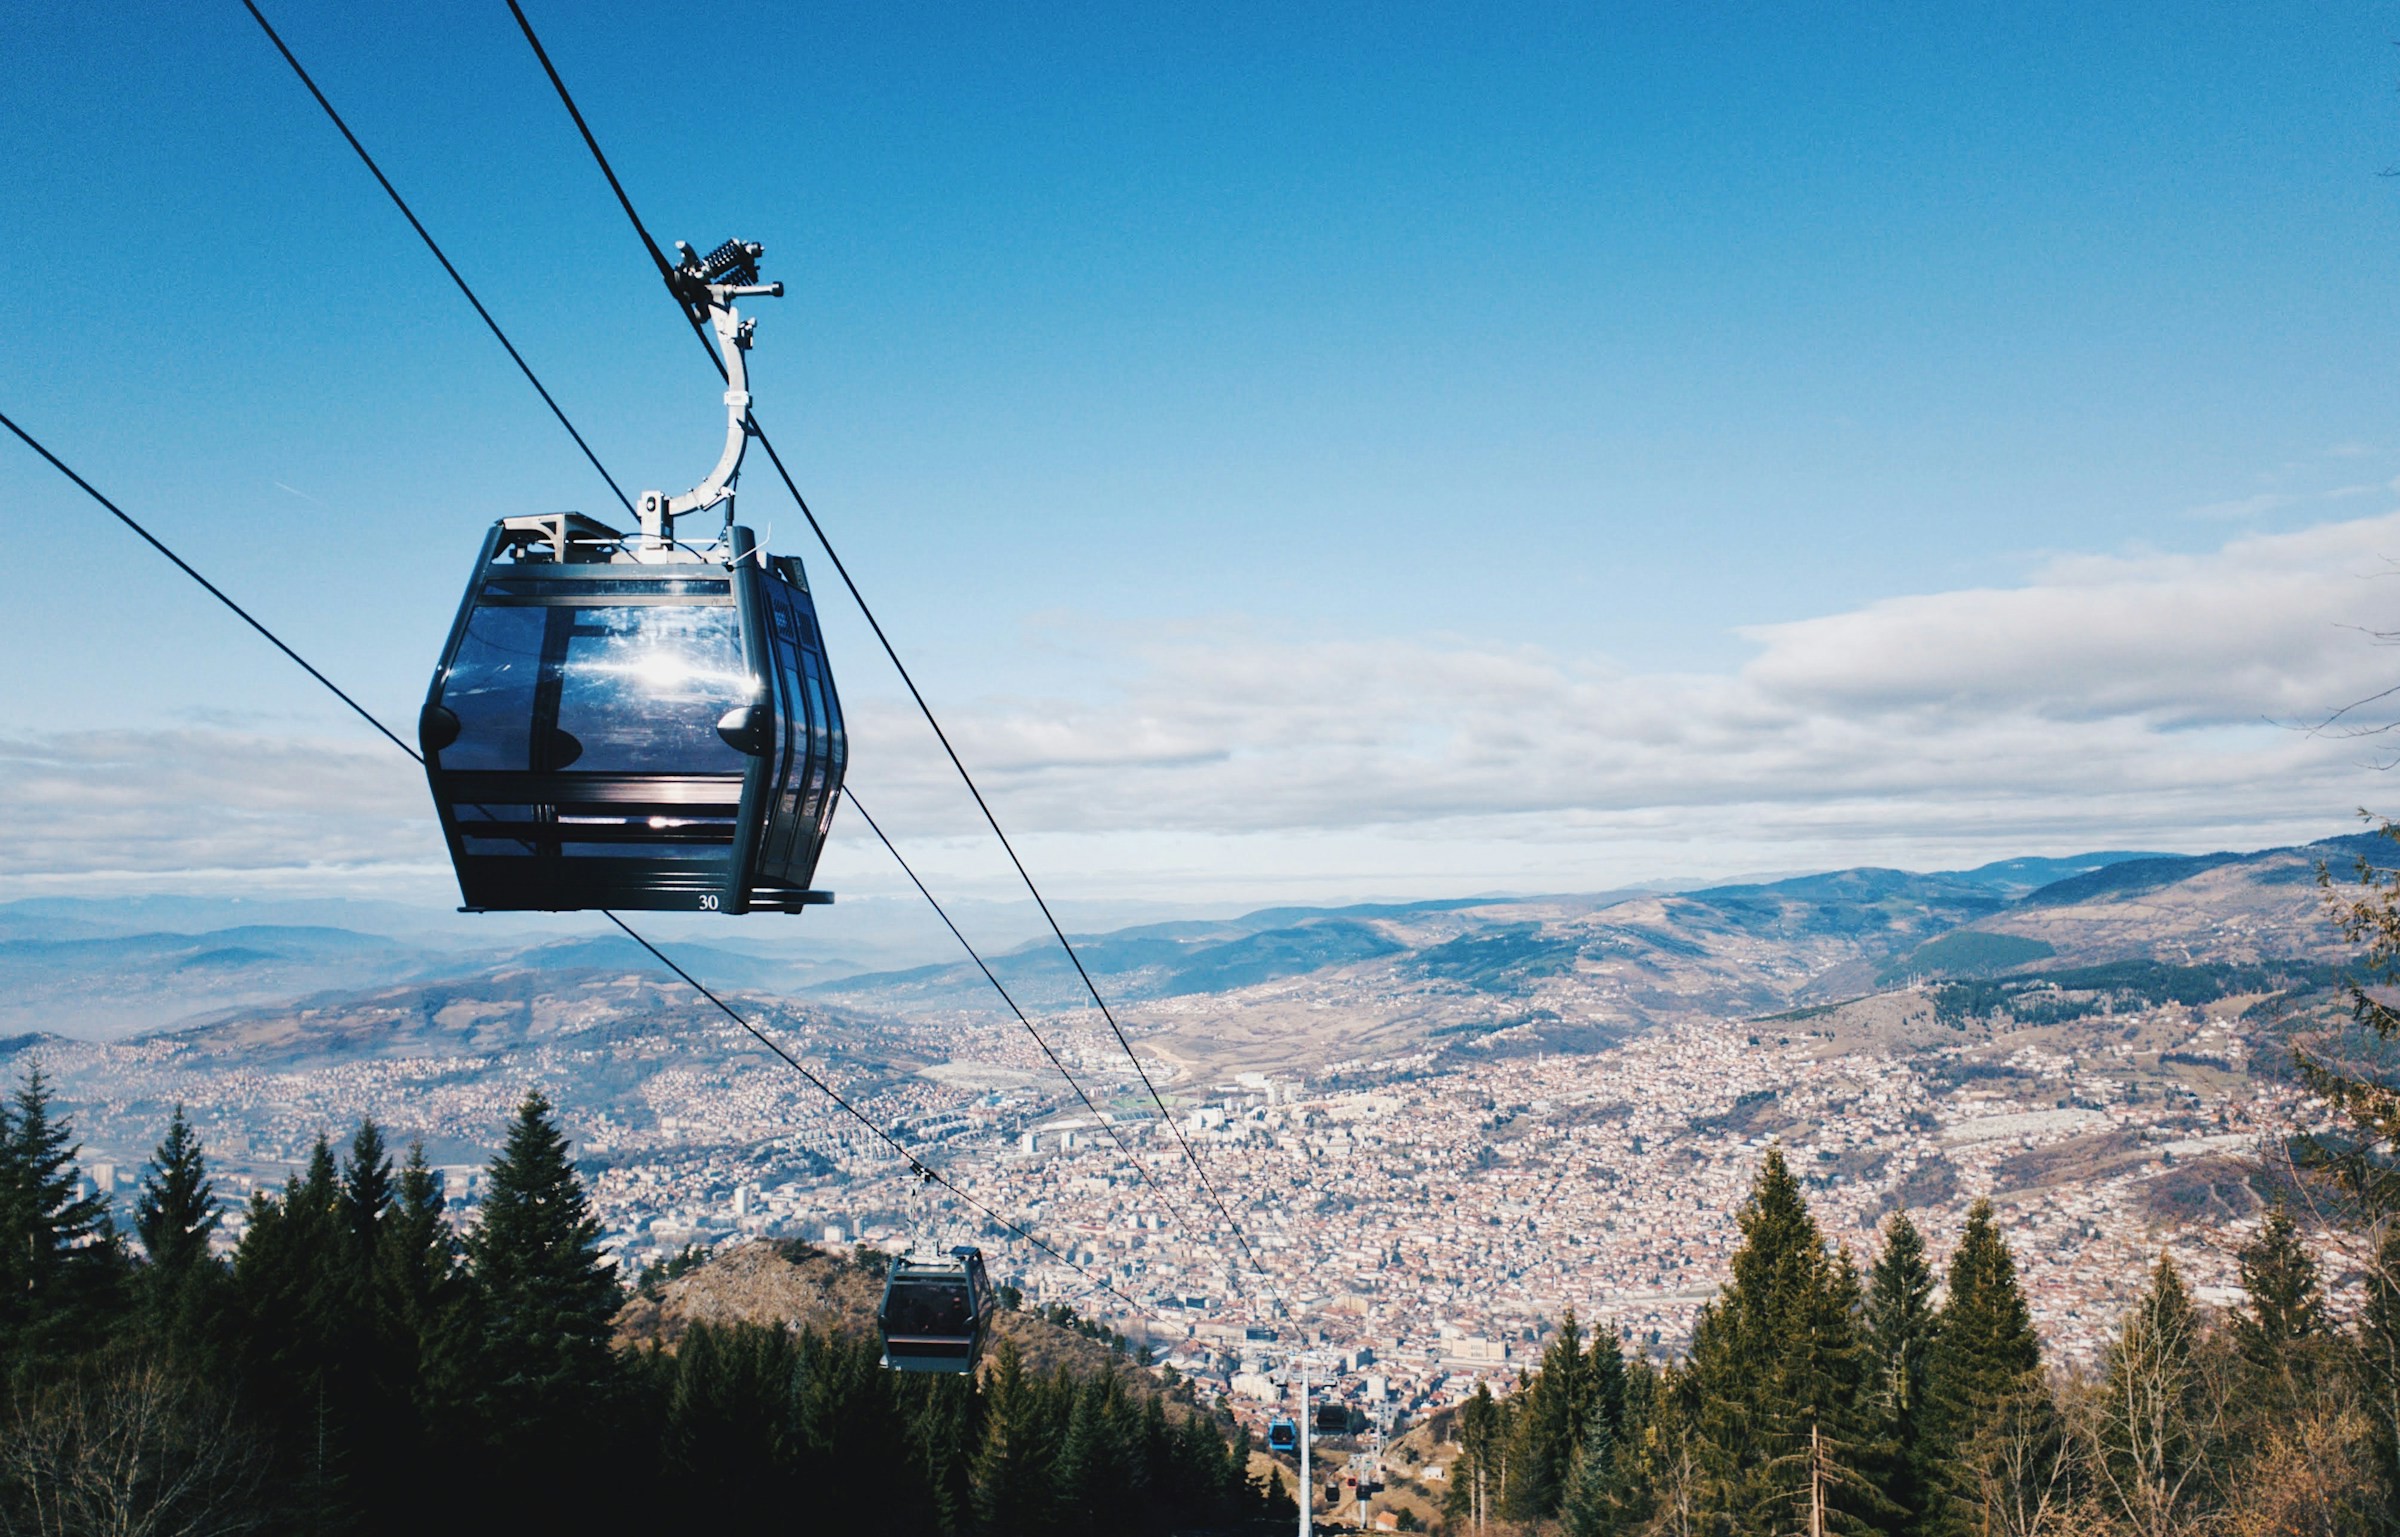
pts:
pixel 642 689
pixel 490 689
pixel 928 1308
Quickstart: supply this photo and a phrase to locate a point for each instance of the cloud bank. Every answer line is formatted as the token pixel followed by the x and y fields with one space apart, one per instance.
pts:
pixel 2109 700
pixel 2104 686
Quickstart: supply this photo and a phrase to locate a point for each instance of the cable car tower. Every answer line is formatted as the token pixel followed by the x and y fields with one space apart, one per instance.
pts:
pixel 632 720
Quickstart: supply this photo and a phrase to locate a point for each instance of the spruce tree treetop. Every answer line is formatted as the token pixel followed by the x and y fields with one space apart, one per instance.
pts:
pixel 2165 1312
pixel 1778 1234
pixel 40 1165
pixel 177 1208
pixel 419 1252
pixel 548 1301
pixel 2286 1304
pixel 366 1190
pixel 1985 1323
pixel 1899 1317
pixel 57 1250
pixel 1983 1379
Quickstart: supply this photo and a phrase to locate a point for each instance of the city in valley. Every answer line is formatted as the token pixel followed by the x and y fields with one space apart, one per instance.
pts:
pixel 1434 1131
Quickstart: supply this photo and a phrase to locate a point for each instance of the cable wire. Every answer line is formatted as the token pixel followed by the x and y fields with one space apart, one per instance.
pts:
pixel 525 368
pixel 410 215
pixel 213 589
pixel 916 1165
pixel 666 271
pixel 988 975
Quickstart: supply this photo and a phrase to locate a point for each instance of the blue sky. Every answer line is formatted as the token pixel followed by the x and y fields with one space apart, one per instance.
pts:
pixel 1363 452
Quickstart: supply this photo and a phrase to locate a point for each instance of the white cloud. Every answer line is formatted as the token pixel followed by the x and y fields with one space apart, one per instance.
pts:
pixel 109 807
pixel 2110 700
pixel 2134 692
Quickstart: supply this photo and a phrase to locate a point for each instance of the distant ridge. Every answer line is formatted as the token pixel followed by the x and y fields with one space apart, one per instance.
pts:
pixel 2150 872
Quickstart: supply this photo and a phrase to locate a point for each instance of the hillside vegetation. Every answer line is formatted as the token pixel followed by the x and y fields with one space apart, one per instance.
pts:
pixel 353 1343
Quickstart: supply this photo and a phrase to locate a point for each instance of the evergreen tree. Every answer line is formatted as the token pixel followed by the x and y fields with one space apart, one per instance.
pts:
pixel 294 1421
pixel 1096 1479
pixel 291 1281
pixel 1478 1479
pixel 1547 1426
pixel 379 1376
pixel 1590 1502
pixel 729 1436
pixel 176 1211
pixel 1777 1369
pixel 1899 1326
pixel 2280 1332
pixel 1276 1503
pixel 367 1197
pixel 1012 1467
pixel 1604 1379
pixel 1988 1440
pixel 58 1253
pixel 418 1267
pixel 175 1216
pixel 544 1307
pixel 857 1461
pixel 945 1431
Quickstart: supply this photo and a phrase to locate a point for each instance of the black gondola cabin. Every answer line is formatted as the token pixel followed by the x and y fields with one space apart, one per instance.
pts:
pixel 934 1312
pixel 614 725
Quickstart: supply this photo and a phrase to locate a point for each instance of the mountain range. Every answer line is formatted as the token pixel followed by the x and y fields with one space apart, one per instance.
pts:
pixel 92 971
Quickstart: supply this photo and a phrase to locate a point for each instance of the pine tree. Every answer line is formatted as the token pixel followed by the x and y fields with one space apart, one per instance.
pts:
pixel 729 1437
pixel 367 1197
pixel 544 1304
pixel 175 1215
pixel 176 1211
pixel 1604 1372
pixel 1777 1368
pixel 1590 1503
pixel 1276 1502
pixel 418 1281
pixel 856 1461
pixel 59 1257
pixel 2279 1331
pixel 296 1306
pixel 1899 1324
pixel 944 1430
pixel 1988 1442
pixel 1012 1467
pixel 1478 1478
pixel 1095 1479
pixel 1548 1424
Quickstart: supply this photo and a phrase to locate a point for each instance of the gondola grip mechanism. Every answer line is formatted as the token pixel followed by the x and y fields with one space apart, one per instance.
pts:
pixel 707 287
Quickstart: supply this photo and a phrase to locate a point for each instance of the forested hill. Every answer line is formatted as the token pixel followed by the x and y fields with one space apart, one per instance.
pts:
pixel 1893 1393
pixel 356 1365
pixel 798 1286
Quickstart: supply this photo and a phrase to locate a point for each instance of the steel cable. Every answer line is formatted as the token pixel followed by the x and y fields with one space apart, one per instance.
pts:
pixel 916 1165
pixel 666 272
pixel 523 367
